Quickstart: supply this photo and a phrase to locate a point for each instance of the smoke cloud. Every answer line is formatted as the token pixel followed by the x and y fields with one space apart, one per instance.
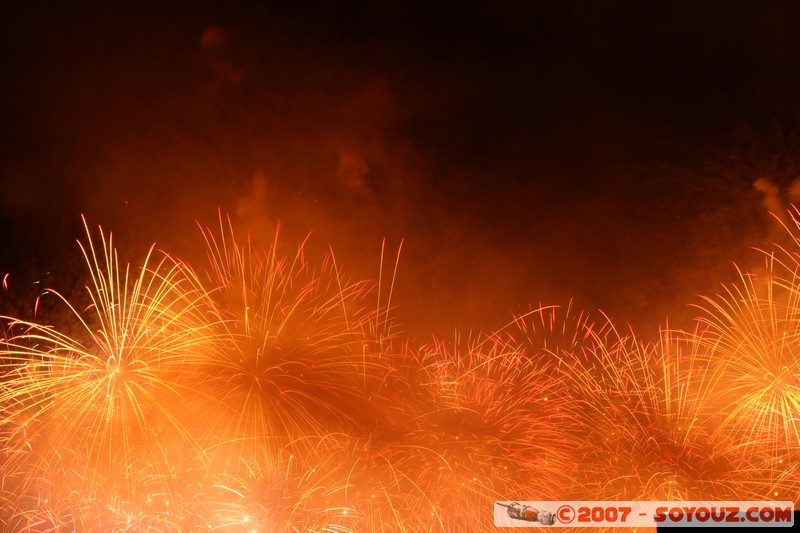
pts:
pixel 536 156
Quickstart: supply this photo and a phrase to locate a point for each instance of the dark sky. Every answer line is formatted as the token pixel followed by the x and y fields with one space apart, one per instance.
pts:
pixel 601 151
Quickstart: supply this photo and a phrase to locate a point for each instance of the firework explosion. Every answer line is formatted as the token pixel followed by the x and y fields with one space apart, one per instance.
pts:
pixel 264 391
pixel 98 415
pixel 750 341
pixel 298 352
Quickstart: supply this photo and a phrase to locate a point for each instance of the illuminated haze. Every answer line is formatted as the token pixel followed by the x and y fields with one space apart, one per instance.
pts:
pixel 619 154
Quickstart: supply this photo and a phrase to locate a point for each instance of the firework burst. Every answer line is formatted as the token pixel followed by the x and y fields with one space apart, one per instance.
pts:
pixel 550 331
pixel 636 419
pixel 753 334
pixel 751 340
pixel 266 391
pixel 87 417
pixel 488 423
pixel 297 355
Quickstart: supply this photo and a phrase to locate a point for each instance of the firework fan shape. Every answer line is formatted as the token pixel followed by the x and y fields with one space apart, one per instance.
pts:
pixel 550 331
pixel 304 493
pixel 629 412
pixel 488 424
pixel 751 339
pixel 299 353
pixel 753 336
pixel 637 420
pixel 95 416
pixel 266 392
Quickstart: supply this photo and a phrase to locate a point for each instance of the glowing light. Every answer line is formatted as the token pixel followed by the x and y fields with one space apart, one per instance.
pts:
pixel 265 388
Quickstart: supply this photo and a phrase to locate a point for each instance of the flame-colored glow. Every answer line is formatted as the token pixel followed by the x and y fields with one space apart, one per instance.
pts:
pixel 264 391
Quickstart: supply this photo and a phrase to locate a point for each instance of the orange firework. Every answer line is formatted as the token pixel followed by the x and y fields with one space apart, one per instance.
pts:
pixel 293 493
pixel 636 419
pixel 552 330
pixel 751 338
pixel 753 335
pixel 268 392
pixel 298 352
pixel 88 418
pixel 489 425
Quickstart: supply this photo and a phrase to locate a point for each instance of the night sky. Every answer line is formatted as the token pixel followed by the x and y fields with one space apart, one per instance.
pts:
pixel 620 154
